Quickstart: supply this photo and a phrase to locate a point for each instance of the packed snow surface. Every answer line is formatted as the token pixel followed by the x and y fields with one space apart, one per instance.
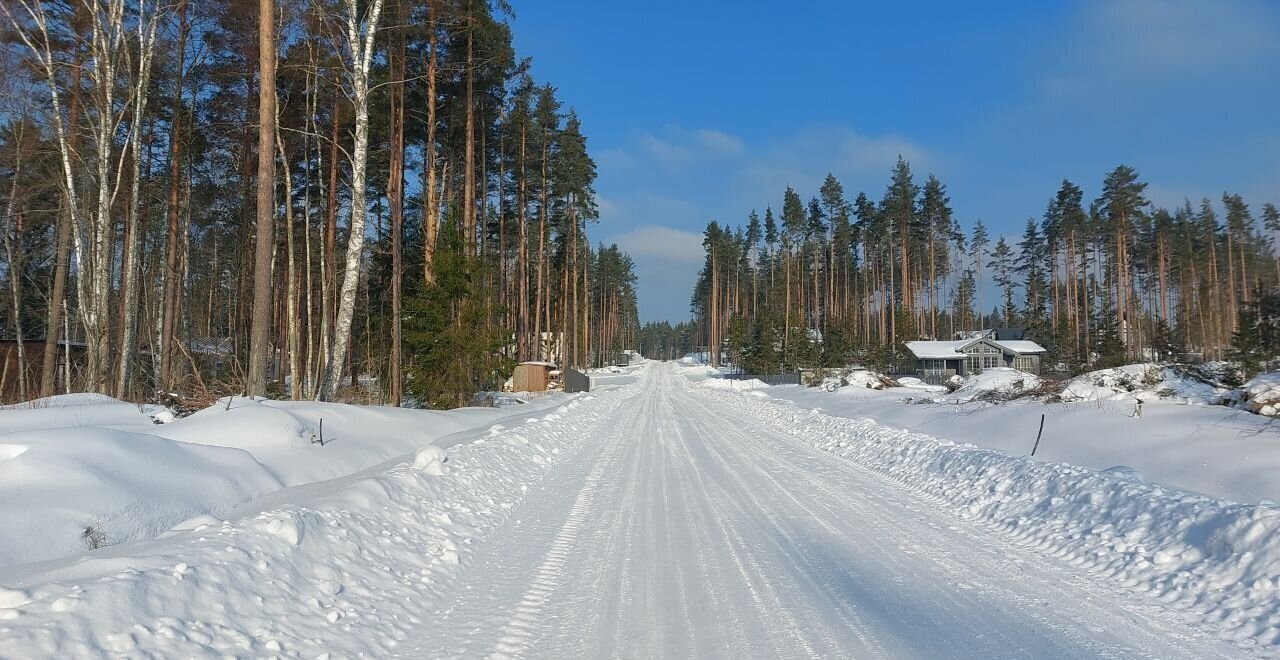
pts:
pixel 655 518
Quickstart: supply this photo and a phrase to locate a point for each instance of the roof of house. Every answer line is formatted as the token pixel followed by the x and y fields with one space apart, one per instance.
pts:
pixel 936 350
pixel 1021 346
pixel 537 363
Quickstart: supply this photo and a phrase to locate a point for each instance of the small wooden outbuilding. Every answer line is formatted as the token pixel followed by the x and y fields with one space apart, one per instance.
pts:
pixel 532 376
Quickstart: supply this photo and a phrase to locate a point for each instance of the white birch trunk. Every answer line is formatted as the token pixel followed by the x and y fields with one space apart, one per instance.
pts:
pixel 360 40
pixel 141 84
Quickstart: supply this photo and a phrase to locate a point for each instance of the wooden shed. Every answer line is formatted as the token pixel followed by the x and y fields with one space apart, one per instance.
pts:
pixel 532 376
pixel 34 351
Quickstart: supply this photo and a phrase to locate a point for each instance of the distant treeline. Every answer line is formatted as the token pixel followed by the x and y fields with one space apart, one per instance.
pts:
pixel 834 281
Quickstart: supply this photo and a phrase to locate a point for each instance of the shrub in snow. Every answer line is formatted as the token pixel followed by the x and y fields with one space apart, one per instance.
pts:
pixel 1199 384
pixel 1260 395
pixel 993 385
pixel 860 378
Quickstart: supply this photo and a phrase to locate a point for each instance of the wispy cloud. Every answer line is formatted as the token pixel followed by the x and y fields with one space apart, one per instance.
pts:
pixel 675 148
pixel 802 160
pixel 1155 42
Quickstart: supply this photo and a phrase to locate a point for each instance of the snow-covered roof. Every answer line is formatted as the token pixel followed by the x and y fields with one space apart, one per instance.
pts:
pixel 537 363
pixel 940 350
pixel 1021 346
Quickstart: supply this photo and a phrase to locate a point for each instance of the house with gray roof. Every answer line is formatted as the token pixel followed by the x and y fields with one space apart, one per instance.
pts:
pixel 937 361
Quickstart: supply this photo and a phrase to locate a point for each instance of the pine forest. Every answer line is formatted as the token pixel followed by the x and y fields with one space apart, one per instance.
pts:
pixel 317 199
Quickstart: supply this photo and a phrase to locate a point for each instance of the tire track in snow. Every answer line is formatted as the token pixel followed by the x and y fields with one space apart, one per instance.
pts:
pixel 735 490
pixel 547 578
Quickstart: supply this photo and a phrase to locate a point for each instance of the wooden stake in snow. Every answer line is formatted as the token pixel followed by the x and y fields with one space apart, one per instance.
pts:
pixel 1038 434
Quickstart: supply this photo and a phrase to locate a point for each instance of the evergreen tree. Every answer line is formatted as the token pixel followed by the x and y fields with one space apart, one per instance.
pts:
pixel 962 300
pixel 1256 342
pixel 454 351
pixel 1002 268
pixel 1032 255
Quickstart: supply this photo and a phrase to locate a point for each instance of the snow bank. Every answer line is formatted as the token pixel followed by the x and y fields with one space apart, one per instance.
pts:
pixel 1207 556
pixel 915 383
pixel 67 410
pixel 1213 450
pixel 691 366
pixel 65 491
pixel 347 568
pixel 993 384
pixel 734 384
pixel 81 472
pixel 285 435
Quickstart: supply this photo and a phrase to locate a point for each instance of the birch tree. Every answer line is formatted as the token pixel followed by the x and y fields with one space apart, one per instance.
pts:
pixel 147 22
pixel 39 30
pixel 360 37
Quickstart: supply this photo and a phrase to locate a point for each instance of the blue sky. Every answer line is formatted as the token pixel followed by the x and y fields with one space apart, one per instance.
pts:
pixel 698 110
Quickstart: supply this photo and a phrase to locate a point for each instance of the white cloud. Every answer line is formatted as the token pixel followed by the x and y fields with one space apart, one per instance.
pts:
pixel 660 243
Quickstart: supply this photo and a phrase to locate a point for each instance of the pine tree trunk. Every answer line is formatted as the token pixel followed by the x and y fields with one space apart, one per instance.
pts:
pixel 469 165
pixel 522 258
pixel 395 197
pixel 430 218
pixel 264 244
pixel 329 259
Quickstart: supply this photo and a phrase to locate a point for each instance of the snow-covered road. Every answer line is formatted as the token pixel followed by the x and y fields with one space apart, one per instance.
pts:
pixel 683 528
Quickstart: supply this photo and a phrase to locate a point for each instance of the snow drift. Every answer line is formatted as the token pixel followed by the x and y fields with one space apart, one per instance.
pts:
pixel 80 472
pixel 344 568
pixel 746 384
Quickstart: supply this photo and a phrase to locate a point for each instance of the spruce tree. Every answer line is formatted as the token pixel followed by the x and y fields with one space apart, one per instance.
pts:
pixel 1256 341
pixel 1032 255
pixel 1002 268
